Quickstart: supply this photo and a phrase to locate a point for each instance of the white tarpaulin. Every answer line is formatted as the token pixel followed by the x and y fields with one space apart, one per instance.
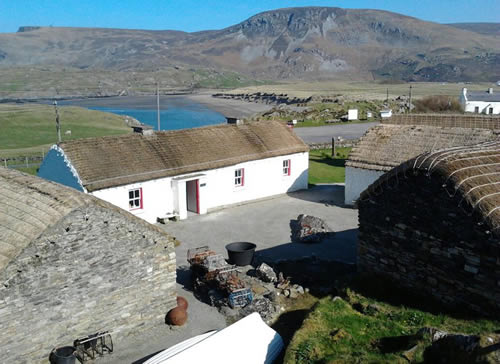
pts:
pixel 248 341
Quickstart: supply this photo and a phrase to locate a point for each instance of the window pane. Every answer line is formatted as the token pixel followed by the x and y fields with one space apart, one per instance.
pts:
pixel 136 193
pixel 130 194
pixel 136 203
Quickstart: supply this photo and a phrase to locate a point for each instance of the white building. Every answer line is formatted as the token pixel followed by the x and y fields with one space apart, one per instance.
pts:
pixel 352 114
pixel 386 146
pixel 167 174
pixel 480 102
pixel 386 113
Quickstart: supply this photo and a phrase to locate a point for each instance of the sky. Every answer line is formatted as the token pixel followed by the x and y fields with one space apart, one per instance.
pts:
pixel 195 15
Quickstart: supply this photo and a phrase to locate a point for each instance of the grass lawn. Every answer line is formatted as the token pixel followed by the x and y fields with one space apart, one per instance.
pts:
pixel 325 169
pixel 363 328
pixel 29 129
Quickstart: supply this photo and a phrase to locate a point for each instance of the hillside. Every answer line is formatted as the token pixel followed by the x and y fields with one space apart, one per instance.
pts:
pixel 312 43
pixel 491 29
pixel 27 130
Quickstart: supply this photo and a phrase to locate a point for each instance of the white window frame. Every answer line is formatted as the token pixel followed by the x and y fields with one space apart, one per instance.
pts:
pixel 239 177
pixel 135 199
pixel 490 111
pixel 286 167
pixel 476 109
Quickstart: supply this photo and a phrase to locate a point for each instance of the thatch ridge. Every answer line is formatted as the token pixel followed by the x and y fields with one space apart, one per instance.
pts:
pixel 473 172
pixel 31 205
pixel 386 146
pixel 118 160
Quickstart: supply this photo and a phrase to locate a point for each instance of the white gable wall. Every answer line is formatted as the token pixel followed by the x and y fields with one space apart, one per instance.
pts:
pixel 164 196
pixel 356 181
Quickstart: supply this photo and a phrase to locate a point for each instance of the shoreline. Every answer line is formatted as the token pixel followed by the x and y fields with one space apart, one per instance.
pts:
pixel 226 107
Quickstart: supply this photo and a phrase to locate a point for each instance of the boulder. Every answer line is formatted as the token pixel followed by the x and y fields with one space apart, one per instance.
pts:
pixel 266 273
pixel 310 229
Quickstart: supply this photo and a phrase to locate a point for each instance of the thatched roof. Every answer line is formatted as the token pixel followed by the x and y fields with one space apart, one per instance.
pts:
pixel 30 205
pixel 386 146
pixel 473 172
pixel 117 160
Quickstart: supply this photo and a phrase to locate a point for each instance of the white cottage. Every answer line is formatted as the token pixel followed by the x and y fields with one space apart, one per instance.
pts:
pixel 386 146
pixel 174 173
pixel 480 102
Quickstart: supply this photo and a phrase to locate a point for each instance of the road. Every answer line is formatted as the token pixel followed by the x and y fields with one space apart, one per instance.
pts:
pixel 324 134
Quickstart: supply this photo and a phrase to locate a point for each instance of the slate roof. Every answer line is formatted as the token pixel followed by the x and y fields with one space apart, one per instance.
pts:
pixel 483 96
pixel 118 160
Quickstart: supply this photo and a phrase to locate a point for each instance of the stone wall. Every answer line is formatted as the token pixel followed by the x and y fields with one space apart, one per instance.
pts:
pixel 97 269
pixel 414 233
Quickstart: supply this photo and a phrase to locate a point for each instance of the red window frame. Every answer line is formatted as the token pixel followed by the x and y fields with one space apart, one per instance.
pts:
pixel 240 177
pixel 135 198
pixel 287 167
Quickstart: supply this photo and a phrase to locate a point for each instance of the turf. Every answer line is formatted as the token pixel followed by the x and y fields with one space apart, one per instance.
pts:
pixel 325 169
pixel 27 130
pixel 346 330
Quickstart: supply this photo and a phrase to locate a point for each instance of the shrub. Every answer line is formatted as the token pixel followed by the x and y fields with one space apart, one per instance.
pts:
pixel 438 104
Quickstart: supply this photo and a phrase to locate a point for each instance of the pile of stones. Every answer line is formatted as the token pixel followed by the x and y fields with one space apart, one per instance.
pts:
pixel 266 290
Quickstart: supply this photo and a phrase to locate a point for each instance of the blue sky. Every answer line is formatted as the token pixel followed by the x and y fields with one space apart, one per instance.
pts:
pixel 194 15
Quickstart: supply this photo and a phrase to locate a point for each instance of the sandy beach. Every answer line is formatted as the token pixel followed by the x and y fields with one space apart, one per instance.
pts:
pixel 231 108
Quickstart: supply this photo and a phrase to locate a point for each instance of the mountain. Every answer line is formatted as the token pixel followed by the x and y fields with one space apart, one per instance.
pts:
pixel 285 44
pixel 491 29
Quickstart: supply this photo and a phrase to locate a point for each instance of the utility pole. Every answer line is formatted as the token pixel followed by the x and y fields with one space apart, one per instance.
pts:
pixel 58 124
pixel 158 103
pixel 409 103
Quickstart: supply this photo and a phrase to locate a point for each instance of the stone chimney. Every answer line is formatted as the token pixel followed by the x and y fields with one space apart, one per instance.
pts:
pixel 490 90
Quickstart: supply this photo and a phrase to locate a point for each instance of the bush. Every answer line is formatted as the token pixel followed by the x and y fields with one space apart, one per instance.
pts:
pixel 438 104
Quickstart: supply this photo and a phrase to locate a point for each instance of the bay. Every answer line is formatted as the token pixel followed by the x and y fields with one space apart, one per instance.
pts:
pixel 176 112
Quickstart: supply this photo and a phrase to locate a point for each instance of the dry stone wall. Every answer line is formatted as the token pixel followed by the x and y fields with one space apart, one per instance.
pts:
pixel 414 233
pixel 95 270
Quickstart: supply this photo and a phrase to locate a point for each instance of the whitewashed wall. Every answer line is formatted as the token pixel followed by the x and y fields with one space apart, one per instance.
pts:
pixel 484 107
pixel 356 181
pixel 263 178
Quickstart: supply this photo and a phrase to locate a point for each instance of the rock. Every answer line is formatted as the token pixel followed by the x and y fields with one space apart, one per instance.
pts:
pixel 281 277
pixel 339 334
pixel 293 293
pixel 410 354
pixel 300 290
pixel 310 229
pixel 286 293
pixel 336 298
pixel 453 348
pixel 266 273
pixel 434 334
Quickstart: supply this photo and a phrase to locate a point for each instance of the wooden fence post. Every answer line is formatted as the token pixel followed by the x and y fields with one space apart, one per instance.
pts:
pixel 333 147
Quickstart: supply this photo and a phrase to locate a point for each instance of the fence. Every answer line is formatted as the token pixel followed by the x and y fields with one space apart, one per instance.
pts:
pixel 446 120
pixel 21 161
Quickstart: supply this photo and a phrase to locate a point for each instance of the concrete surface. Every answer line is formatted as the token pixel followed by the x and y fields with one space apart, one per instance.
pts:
pixel 266 223
pixel 324 134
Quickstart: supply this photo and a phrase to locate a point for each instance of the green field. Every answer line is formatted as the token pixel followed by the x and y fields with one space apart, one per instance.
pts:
pixel 325 169
pixel 30 129
pixel 361 327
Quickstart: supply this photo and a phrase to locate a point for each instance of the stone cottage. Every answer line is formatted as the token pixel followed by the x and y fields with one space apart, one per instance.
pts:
pixel 432 225
pixel 403 137
pixel 72 265
pixel 191 171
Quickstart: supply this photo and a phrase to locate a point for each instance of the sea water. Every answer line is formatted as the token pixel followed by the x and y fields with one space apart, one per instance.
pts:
pixel 188 116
